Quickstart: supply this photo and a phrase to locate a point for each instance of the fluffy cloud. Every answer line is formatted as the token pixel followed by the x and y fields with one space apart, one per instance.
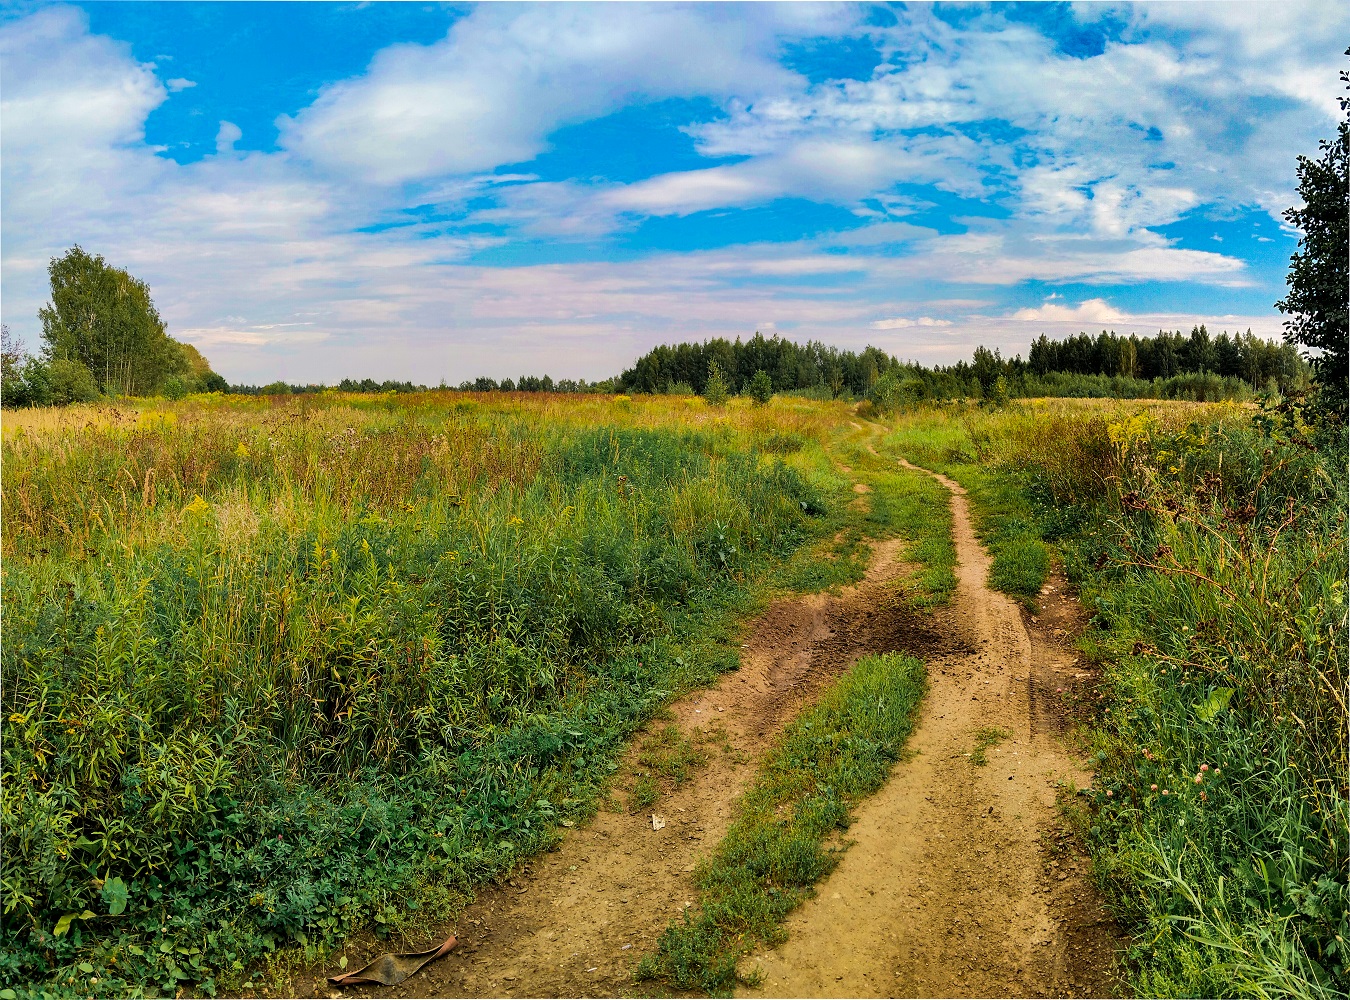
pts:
pixel 904 323
pixel 1090 311
pixel 504 78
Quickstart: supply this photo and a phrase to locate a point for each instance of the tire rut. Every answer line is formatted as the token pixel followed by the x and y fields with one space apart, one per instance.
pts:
pixel 957 882
pixel 575 921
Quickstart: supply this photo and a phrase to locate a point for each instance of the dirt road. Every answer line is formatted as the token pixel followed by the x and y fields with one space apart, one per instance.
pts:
pixel 956 884
pixel 577 921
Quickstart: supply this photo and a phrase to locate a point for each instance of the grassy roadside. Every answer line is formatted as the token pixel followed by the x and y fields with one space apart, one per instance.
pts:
pixel 899 503
pixel 834 754
pixel 1209 543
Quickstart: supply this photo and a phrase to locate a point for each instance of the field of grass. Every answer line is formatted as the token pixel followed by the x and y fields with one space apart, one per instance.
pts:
pixel 278 669
pixel 1209 543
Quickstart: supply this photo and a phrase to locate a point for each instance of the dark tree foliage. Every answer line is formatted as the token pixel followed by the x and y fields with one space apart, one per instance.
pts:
pixel 1257 362
pixel 1318 302
pixel 790 367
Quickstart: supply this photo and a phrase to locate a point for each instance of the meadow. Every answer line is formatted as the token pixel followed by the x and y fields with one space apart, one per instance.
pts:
pixel 278 669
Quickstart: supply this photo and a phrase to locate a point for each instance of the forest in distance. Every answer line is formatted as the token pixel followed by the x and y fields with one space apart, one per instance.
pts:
pixel 1197 366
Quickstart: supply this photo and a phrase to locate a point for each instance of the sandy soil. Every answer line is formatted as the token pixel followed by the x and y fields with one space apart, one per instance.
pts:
pixel 958 882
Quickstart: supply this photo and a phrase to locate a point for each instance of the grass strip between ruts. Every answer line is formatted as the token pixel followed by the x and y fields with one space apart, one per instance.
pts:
pixel 836 753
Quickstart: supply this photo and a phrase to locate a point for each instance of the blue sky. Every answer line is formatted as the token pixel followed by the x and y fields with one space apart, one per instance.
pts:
pixel 425 191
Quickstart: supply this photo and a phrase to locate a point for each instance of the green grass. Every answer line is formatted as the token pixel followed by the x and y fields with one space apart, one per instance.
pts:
pixel 986 739
pixel 902 503
pixel 1021 559
pixel 252 645
pixel 834 754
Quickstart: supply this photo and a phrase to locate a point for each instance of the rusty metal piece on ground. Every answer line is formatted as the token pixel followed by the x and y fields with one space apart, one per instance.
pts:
pixel 390 970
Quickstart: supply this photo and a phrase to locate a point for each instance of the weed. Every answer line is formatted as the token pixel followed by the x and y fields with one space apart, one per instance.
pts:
pixel 645 792
pixel 672 755
pixel 985 739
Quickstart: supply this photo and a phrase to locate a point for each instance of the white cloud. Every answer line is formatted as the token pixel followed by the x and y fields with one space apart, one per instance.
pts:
pixel 179 84
pixel 1089 311
pixel 229 134
pixel 73 107
pixel 505 77
pixel 905 323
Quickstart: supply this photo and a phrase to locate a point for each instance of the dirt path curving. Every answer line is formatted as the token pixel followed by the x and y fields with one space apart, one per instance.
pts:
pixel 577 920
pixel 957 883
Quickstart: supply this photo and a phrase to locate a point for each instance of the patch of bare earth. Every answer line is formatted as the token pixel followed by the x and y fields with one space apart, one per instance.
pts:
pixel 576 921
pixel 960 880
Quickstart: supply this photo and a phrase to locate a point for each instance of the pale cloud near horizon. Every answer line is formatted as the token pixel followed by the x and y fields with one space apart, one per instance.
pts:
pixel 1090 311
pixel 273 262
pixel 905 323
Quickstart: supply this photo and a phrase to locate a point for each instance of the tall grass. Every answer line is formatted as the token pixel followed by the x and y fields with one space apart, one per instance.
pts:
pixel 275 669
pixel 1211 548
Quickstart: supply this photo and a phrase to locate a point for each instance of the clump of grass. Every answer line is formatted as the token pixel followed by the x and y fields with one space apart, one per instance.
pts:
pixel 986 739
pixel 646 791
pixel 672 754
pixel 834 754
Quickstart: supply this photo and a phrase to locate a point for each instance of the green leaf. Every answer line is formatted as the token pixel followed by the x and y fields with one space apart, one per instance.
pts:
pixel 8 995
pixel 1217 701
pixel 86 968
pixel 115 895
pixel 63 924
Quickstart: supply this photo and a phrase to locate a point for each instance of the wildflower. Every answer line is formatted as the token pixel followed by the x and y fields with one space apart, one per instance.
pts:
pixel 1204 768
pixel 242 450
pixel 1152 788
pixel 1110 794
pixel 1204 797
pixel 1199 778
pixel 1165 792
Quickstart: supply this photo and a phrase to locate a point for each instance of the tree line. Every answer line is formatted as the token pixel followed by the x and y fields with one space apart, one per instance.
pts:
pixel 526 383
pixel 1168 366
pixel 1243 356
